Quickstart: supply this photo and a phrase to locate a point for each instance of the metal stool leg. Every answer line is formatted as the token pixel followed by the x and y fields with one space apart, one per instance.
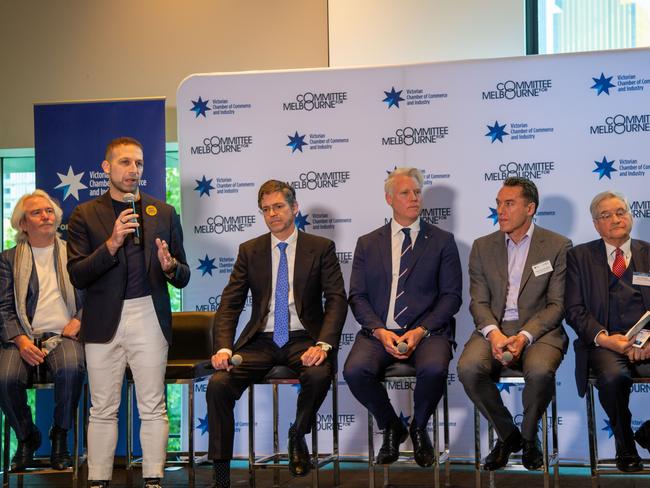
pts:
pixel 251 436
pixel 190 434
pixel 371 452
pixel 436 450
pixel 276 437
pixel 314 455
pixel 335 432
pixel 545 468
pixel 556 452
pixel 5 463
pixel 490 446
pixel 593 443
pixel 445 418
pixel 477 448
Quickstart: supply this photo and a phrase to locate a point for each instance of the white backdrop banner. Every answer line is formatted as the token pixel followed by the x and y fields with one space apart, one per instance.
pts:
pixel 574 124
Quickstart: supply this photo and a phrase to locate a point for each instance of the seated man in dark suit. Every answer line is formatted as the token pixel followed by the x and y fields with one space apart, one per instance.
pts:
pixel 288 274
pixel 405 288
pixel 606 294
pixel 37 300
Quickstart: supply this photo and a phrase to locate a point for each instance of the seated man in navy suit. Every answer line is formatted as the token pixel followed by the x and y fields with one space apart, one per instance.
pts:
pixel 606 293
pixel 405 287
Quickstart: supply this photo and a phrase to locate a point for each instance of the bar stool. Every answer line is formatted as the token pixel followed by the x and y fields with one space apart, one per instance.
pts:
pixel 597 465
pixel 395 372
pixel 282 375
pixel 514 377
pixel 41 465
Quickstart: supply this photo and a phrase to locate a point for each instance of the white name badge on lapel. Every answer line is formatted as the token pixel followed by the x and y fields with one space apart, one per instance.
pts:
pixel 641 279
pixel 542 268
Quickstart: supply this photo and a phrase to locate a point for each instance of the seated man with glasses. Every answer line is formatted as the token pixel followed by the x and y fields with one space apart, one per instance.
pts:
pixel 299 308
pixel 606 293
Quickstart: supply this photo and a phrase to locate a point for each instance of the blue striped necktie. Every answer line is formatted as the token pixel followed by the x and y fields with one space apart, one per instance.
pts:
pixel 404 266
pixel 281 314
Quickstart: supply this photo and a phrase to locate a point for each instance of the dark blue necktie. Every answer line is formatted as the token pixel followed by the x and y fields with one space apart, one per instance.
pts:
pixel 281 315
pixel 404 265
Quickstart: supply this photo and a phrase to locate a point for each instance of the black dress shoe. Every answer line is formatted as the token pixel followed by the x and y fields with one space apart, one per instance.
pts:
pixel 629 463
pixel 532 457
pixel 499 456
pixel 25 451
pixel 422 447
pixel 299 461
pixel 394 435
pixel 59 456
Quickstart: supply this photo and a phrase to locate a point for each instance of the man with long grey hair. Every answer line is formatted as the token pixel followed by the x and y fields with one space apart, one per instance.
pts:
pixel 37 301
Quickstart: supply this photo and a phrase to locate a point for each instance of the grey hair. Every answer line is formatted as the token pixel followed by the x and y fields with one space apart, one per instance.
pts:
pixel 18 214
pixel 412 172
pixel 593 208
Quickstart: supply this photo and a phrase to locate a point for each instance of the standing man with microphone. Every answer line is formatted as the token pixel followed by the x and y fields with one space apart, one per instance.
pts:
pixel 127 314
pixel 405 288
pixel 517 302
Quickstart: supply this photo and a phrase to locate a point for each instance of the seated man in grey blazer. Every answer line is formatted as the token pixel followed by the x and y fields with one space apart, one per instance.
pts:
pixel 517 293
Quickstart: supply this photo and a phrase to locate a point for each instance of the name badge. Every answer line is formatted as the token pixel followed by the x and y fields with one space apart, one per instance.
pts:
pixel 542 268
pixel 641 279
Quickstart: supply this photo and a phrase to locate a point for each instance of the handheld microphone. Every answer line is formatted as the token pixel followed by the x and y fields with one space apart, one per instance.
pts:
pixel 507 357
pixel 402 347
pixel 130 198
pixel 236 360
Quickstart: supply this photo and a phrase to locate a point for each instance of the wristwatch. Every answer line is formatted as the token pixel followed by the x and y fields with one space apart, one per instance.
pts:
pixel 427 333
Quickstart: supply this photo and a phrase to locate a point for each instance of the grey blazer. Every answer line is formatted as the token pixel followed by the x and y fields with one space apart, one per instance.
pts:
pixel 541 298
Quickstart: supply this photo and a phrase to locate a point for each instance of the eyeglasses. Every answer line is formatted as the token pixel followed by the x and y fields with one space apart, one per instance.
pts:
pixel 607 216
pixel 276 207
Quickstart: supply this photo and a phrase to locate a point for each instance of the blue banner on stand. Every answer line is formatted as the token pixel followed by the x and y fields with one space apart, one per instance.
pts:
pixel 70 139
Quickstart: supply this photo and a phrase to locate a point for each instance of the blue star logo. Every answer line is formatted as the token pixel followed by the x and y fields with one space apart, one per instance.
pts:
pixel 200 107
pixel 204 186
pixel 404 419
pixel 393 97
pixel 296 142
pixel 493 215
pixel 70 183
pixel 203 424
pixel 503 387
pixel 602 84
pixel 604 168
pixel 497 132
pixel 206 265
pixel 608 428
pixel 301 221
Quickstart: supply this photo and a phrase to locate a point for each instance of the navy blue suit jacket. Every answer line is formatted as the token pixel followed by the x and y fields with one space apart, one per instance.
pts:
pixel 586 296
pixel 433 284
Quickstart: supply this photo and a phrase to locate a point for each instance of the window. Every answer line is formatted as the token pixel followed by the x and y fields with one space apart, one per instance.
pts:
pixel 587 25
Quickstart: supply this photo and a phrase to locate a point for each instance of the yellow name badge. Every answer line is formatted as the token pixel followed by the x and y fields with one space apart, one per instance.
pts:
pixel 151 210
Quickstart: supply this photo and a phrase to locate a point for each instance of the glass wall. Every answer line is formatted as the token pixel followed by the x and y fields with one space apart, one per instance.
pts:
pixel 588 25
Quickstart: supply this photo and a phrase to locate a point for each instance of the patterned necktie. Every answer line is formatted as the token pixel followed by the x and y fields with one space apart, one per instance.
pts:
pixel 404 265
pixel 281 315
pixel 619 267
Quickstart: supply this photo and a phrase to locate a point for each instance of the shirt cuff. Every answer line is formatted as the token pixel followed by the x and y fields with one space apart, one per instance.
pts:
pixel 596 338
pixel 487 329
pixel 324 346
pixel 226 350
pixel 527 335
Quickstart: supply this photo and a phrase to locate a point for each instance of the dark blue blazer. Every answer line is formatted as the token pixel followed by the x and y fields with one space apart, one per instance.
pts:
pixel 586 296
pixel 433 284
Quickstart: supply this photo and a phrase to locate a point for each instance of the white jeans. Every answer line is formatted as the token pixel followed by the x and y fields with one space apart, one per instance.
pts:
pixel 138 342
